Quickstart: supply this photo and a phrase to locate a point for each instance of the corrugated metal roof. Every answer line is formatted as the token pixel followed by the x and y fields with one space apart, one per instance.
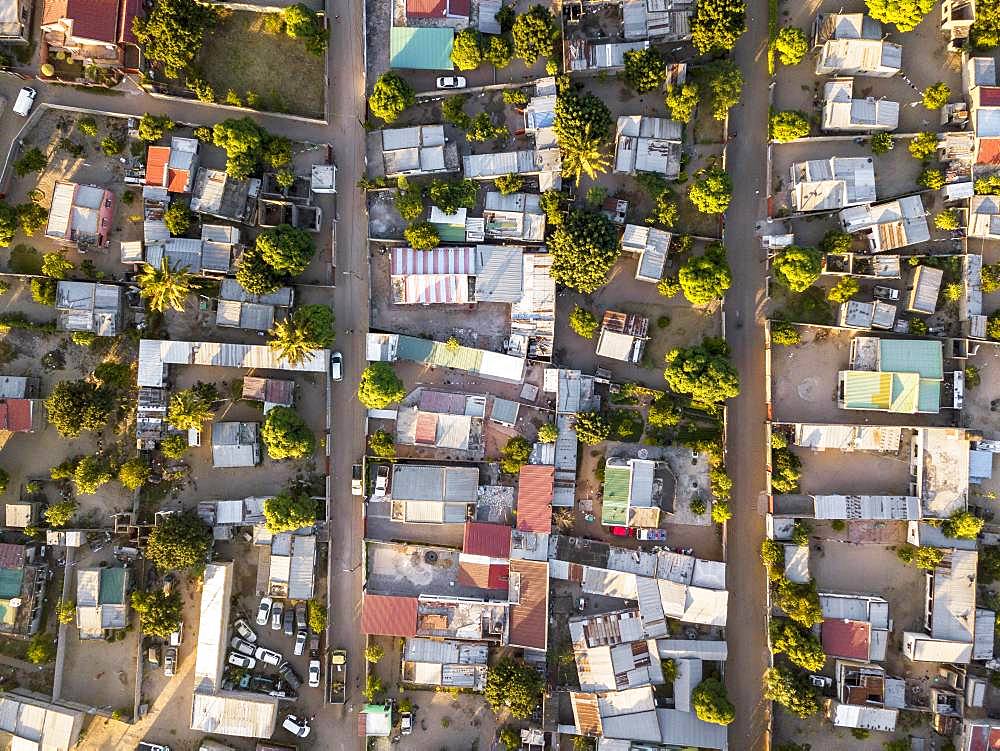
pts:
pixel 859 716
pixel 387 615
pixel 953 607
pixel 234 713
pixel 155 353
pixel 301 578
pixel 413 482
pixel 504 411
pixel 421 48
pixel 500 275
pixel 490 540
pixel 213 626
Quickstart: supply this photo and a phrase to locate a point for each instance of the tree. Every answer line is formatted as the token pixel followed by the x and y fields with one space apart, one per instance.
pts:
pixel 725 84
pixel 717 25
pixel 515 686
pixel 784 334
pixel 422 236
pixel 286 249
pixel 466 52
pixel 8 224
pixel 682 101
pixel 923 146
pixel 576 111
pixel 583 154
pixel 796 268
pixel 711 702
pixel 32 160
pixel 510 738
pixel 380 386
pixel 301 22
pixel 277 151
pixel 705 278
pixel 551 202
pixel 788 125
pixel 289 511
pixel 32 217
pixel 286 435
pixel 390 96
pixel 452 112
pixel 159 613
pixel 843 290
pixel 75 407
pixel 548 433
pixel 178 218
pixel 947 220
pixel 243 141
pixel 498 52
pixel 172 32
pixel 514 455
pixel 932 179
pixel 663 413
pixel 255 275
pixel 534 34
pixel 799 601
pixel 591 427
pixel 179 541
pixel 583 322
pixel 791 689
pixel 153 127
pixel 705 372
pixel 584 248
pixel 90 474
pixel 772 554
pixel 712 193
pixel 963 525
pixel 993 326
pixel 452 195
pixel 786 469
pixel 936 95
pixel 905 14
pixel 991 278
pixel 87 126
pixel 382 444
pixel 56 265
pixel 41 649
pixel 111 146
pixel 307 329
pixel 65 612
pixel 509 184
pixel 665 211
pixel 60 514
pixel 317 616
pixel 174 446
pixel 881 143
pixel 189 410
pixel 134 473
pixel 164 287
pixel 800 646
pixel 923 556
pixel 722 511
pixel 791 45
pixel 374 653
pixel 482 128
pixel 645 70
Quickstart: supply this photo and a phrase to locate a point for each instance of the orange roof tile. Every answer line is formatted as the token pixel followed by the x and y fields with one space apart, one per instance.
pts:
pixel 156 165
pixel 177 179
pixel 529 618
pixel 534 498
pixel 388 615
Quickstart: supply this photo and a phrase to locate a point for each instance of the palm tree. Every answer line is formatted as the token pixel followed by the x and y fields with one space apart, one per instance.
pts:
pixel 188 410
pixel 292 339
pixel 582 154
pixel 165 287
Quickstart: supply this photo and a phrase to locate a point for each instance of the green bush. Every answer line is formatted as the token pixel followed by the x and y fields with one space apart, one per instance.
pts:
pixel 788 126
pixel 583 322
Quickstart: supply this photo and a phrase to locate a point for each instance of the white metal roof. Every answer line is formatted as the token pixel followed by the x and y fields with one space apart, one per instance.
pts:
pixel 700 648
pixel 860 716
pixel 878 507
pixel 213 626
pixel 684 729
pixel 953 606
pixel 155 353
pixel 923 648
pixel 234 713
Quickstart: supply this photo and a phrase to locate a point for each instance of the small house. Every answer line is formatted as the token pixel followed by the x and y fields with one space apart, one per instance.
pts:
pixel 81 214
pixel 235 444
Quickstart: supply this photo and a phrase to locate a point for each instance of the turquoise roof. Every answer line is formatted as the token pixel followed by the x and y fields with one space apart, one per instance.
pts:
pixel 420 48
pixel 10 582
pixel 929 396
pixel 112 589
pixel 922 356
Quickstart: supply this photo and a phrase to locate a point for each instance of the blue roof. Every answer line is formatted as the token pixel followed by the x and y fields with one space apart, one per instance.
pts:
pixel 420 48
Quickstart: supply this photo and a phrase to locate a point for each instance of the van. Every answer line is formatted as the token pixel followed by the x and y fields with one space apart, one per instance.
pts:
pixel 25 101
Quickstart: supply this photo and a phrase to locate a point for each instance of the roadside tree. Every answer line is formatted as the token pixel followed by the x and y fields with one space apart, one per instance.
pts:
pixel 380 386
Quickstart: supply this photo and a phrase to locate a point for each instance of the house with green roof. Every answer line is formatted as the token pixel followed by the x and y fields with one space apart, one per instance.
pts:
pixel 904 376
pixel 101 600
pixel 631 493
pixel 23 575
pixel 421 48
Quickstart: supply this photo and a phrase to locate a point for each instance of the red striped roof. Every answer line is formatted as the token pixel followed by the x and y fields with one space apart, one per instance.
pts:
pixel 989 96
pixel 388 615
pixel 534 498
pixel 15 415
pixel 529 618
pixel 490 540
pixel 426 8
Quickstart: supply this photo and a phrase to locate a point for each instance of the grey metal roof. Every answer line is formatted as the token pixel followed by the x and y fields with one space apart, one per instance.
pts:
pixel 500 273
pixel 232 290
pixel 504 411
pixel 301 578
pixel 413 482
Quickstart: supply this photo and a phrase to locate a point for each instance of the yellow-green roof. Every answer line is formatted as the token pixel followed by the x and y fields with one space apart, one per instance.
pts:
pixel 614 508
pixel 886 392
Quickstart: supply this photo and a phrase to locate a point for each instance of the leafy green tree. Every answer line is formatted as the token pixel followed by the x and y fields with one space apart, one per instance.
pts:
pixel 290 510
pixel 189 410
pixel 466 51
pixel 8 224
pixel 711 702
pixel 791 45
pixel 704 372
pixel 178 218
pixel 56 265
pixel 255 275
pixel 936 95
pixel 134 473
pixel 772 554
pixel 583 154
pixel 663 413
pixel 990 278
pixel 422 236
pixel 380 386
pixel 41 649
pixel 800 646
pixel 584 248
pixel 498 51
pixel 514 455
pixel 577 112
pixel 881 143
pixel 509 184
pixel 174 446
pixel 682 100
pixel 452 112
pixel 791 689
pixel 60 514
pixel 835 241
pixel 277 151
pixel 316 616
pixel 717 25
pixel 307 329
pixel 784 334
pixel 721 511
pixel 301 22
pixel 374 653
pixel 923 557
pixel 32 217
pixel 583 322
pixel 159 613
pixel 725 85
pixel 510 737
pixel 992 326
pixel 548 433
pixel 32 160
pixel 171 33
pixel 788 126
pixel 905 14
pixel 75 407
pixel 286 249
pixel 591 427
pixel 705 278
pixel 932 179
pixel 286 435
pixel 452 195
pixel 482 128
pixel 799 601
pixel 963 525
pixel 243 141
pixel 534 34
pixel 712 193
pixel 843 290
pixel 382 444
pixel 65 612
pixel 514 686
pixel 923 146
pixel 551 202
pixel 786 469
pixel 153 127
pixel 179 541
pixel 87 126
pixel 645 70
pixel 111 146
pixel 164 287
pixel 947 220
pixel 796 268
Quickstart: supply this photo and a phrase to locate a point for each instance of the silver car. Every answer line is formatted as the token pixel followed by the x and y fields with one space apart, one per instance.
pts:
pixel 242 661
pixel 276 612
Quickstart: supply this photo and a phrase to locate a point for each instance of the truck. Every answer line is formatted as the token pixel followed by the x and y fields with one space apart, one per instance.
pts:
pixel 336 677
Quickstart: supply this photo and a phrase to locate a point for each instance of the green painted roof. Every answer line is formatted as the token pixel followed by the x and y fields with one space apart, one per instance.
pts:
pixel 450 233
pixel 921 356
pixel 10 582
pixel 929 399
pixel 420 48
pixel 614 509
pixel 437 353
pixel 112 589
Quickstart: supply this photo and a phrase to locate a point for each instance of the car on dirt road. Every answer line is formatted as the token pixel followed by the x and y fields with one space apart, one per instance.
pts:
pixel 264 610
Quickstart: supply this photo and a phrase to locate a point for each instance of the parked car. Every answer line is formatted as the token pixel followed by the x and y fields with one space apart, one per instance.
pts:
pixel 241 661
pixel 314 672
pixel 144 746
pixel 177 636
pixel 263 683
pixel 405 723
pixel 276 611
pixel 267 656
pixel 336 366
pixel 170 662
pixel 623 531
pixel 301 624
pixel 289 622
pixel 297 726
pixel 264 610
pixel 882 292
pixel 357 480
pixel 300 642
pixel 451 82
pixel 243 647
pixel 381 481
pixel 246 633
pixel 288 673
pixel 820 681
pixel 25 101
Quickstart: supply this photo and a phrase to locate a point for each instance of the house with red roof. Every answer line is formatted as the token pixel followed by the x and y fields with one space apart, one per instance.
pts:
pixel 173 167
pixel 96 32
pixel 535 486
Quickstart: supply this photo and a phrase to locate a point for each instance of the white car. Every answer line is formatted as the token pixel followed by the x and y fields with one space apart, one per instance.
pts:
pixel 267 656
pixel 381 481
pixel 314 672
pixel 170 662
pixel 297 726
pixel 242 661
pixel 242 628
pixel 25 101
pixel 406 723
pixel 264 610
pixel 451 82
pixel 300 642
pixel 243 647
pixel 336 366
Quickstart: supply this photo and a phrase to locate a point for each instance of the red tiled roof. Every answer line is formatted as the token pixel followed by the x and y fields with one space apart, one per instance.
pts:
pixel 490 540
pixel 388 615
pixel 529 618
pixel 483 575
pixel 459 8
pixel 426 8
pixel 983 738
pixel 15 415
pixel 92 19
pixel 988 151
pixel 842 638
pixel 989 96
pixel 426 430
pixel 156 165
pixel 534 498
pixel 177 179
